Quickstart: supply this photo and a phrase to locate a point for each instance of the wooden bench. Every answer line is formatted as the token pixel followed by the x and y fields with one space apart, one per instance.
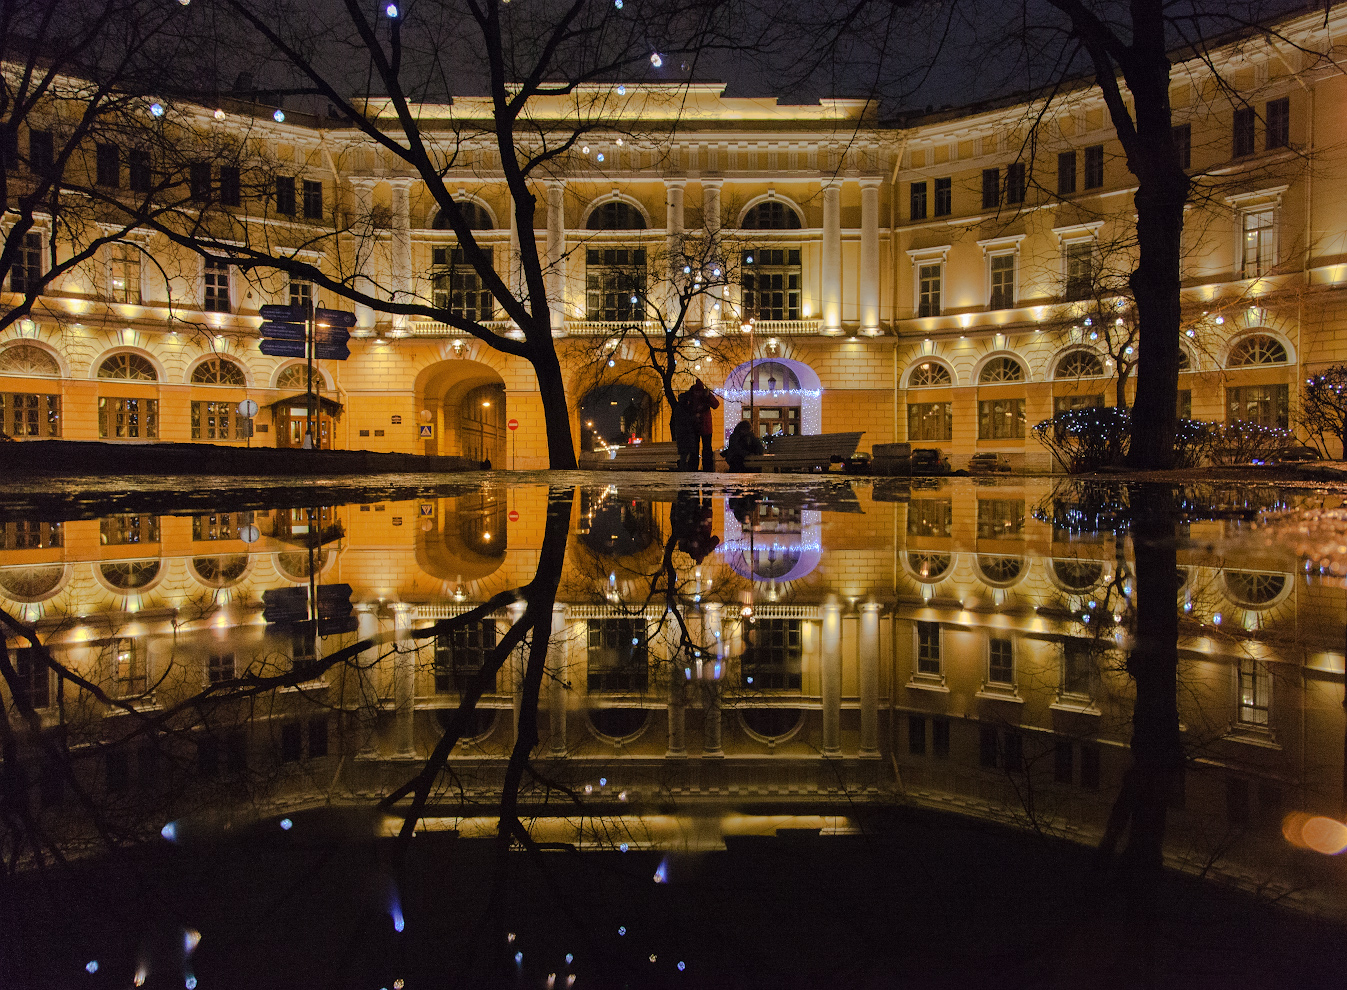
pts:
pixel 632 457
pixel 804 453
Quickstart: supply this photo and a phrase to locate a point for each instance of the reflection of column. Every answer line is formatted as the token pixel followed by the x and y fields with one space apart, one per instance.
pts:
pixel 556 252
pixel 556 691
pixel 404 683
pixel 363 193
pixel 673 229
pixel 678 677
pixel 366 721
pixel 869 679
pixel 868 294
pixel 831 296
pixel 713 670
pixel 832 678
pixel 401 245
pixel 515 665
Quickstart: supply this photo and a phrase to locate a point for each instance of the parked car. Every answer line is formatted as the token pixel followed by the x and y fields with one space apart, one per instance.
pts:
pixel 988 463
pixel 929 460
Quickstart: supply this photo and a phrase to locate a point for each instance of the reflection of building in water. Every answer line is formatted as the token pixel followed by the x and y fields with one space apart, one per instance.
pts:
pixel 955 639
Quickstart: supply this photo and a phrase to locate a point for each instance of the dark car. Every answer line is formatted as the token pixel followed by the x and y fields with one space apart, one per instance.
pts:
pixel 929 460
pixel 988 463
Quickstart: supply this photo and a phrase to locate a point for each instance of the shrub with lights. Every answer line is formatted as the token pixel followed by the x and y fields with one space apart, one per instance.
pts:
pixel 1243 442
pixel 1086 439
pixel 1323 407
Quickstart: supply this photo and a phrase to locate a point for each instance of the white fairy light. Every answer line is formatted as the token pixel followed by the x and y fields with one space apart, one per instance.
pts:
pixel 156 109
pixel 279 116
pixel 656 59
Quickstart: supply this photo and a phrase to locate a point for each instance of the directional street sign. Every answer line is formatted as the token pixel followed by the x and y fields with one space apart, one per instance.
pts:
pixel 329 352
pixel 283 331
pixel 282 348
pixel 285 314
pixel 330 317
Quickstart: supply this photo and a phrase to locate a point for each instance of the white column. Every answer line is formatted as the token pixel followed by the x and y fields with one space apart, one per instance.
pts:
pixel 556 688
pixel 404 683
pixel 366 720
pixel 831 663
pixel 868 294
pixel 831 295
pixel 713 671
pixel 363 193
pixel 673 243
pixel 401 260
pixel 556 252
pixel 711 207
pixel 869 679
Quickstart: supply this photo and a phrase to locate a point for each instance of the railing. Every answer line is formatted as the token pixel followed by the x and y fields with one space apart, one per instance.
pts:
pixel 603 328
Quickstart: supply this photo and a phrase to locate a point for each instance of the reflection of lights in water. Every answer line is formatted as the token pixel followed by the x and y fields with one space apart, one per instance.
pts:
pixel 622 929
pixel 91 966
pixel 519 958
pixel 191 938
pixel 170 831
pixel 286 824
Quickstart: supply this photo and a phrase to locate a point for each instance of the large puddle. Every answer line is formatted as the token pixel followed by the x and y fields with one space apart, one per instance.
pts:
pixel 644 733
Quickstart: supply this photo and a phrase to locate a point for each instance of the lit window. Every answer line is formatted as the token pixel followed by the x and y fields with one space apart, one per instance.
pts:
pixel 1260 242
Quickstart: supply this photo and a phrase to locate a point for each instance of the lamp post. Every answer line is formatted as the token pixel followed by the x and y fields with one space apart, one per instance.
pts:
pixel 748 329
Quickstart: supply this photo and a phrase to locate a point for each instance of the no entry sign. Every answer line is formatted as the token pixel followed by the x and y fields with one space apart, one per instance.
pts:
pixel 513 424
pixel 514 515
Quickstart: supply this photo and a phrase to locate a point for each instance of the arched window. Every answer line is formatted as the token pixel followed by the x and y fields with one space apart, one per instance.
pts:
pixel 929 374
pixel 1256 349
pixel 294 564
pixel 474 213
pixel 27 359
pixel 771 376
pixel 771 214
pixel 295 379
pixel 1080 364
pixel 220 572
pixel 1185 360
pixel 218 371
pixel 1000 571
pixel 1077 575
pixel 128 367
pixel 129 575
pixel 616 215
pixel 31 584
pixel 619 723
pixel 929 567
pixel 1000 370
pixel 771 723
pixel 1253 588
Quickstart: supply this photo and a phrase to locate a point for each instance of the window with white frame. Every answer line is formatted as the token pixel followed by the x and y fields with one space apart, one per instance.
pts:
pixel 301 293
pixel 215 279
pixel 929 277
pixel 1259 232
pixel 1001 269
pixel 124 274
pixel 1000 662
pixel 1078 268
pixel 26 274
pixel 1255 693
pixel 928 649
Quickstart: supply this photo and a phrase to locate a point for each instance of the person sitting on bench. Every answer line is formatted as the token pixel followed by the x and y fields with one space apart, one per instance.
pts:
pixel 743 442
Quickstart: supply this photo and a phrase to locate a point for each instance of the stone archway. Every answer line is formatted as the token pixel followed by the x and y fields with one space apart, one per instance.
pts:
pixel 464 404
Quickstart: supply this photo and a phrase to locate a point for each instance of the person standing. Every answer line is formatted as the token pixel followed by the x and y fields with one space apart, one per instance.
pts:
pixel 683 427
pixel 703 400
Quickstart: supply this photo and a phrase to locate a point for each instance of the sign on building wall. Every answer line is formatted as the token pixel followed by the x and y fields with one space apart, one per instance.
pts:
pixel 427 431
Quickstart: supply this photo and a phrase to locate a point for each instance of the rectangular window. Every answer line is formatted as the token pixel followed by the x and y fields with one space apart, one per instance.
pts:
pixel 458 287
pixel 1000 517
pixel 1015 183
pixel 218 421
pixel 138 173
pixel 1242 138
pixel 991 188
pixel 460 655
pixel 1183 144
pixel 129 669
pixel 1079 270
pixel 220 667
pixel 128 419
pixel 1002 281
pixel 930 517
pixel 615 284
pixel 1066 173
pixel 928 290
pixel 1260 242
pixel 285 195
pixel 940 738
pixel 198 180
pixel 771 283
pixel 33 683
pixel 292 742
pixel 773 655
pixel 1278 123
pixel 988 748
pixel 1063 762
pixel 26 274
pixel 41 152
pixel 1000 662
pixel 1001 419
pixel 216 282
pixel 916 735
pixel 128 529
pixel 24 534
pixel 1094 166
pixel 1185 403
pixel 930 421
pixel 1089 767
pixel 9 149
pixel 1254 693
pixel 1078 668
pixel 301 293
pixel 219 525
pixel 313 199
pixel 230 193
pixel 944 197
pixel 317 736
pixel 928 648
pixel 1266 405
pixel 27 415
pixel 124 279
pixel 917 201
pixel 617 655
pixel 1065 403
pixel 108 162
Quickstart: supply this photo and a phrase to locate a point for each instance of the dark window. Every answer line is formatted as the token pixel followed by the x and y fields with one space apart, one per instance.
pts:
pixel 473 214
pixel 138 172
pixel 1012 753
pixel 220 667
pixel 616 215
pixel 991 188
pixel 1242 138
pixel 1078 669
pixel 147 762
pixel 1278 123
pixel 128 529
pixel 916 735
pixel 928 289
pixel 1001 419
pixel 9 148
pixel 987 746
pixel 930 517
pixel 1066 173
pixel 930 421
pixel 285 195
pixel 1266 405
pixel 460 655
pixel 32 682
pixel 1000 517
pixel 458 287
pixel 771 283
pixel 1183 144
pixel 772 657
pixel 117 769
pixel 236 753
pixel 291 742
pixel 940 738
pixel 41 157
pixel 198 179
pixel 208 756
pixel 1094 166
pixel 615 283
pixel 219 525
pixel 29 534
pixel 928 648
pixel 1185 403
pixel 313 200
pixel 318 736
pixel 216 282
pixel 109 164
pixel 26 274
pixel 1079 270
pixel 1002 272
pixel 944 197
pixel 1015 182
pixel 229 185
pixel 617 655
pixel 27 415
pixel 917 208
pixel 1237 800
pixel 771 215
pixel 51 783
pixel 1001 662
pixel 1062 761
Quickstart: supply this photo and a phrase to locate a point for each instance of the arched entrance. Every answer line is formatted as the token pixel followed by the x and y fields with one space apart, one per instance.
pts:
pixel 464 404
pixel 776 395
pixel 614 415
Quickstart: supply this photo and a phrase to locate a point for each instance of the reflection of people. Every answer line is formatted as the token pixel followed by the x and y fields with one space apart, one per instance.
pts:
pixel 683 427
pixel 743 441
pixel 690 520
pixel 308 440
pixel 703 401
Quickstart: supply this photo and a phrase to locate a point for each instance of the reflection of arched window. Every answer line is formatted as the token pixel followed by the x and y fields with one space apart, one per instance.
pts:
pixel 619 723
pixel 129 575
pixel 474 214
pixel 1000 570
pixel 1254 588
pixel 128 367
pixel 30 584
pixel 771 723
pixel 1080 364
pixel 929 567
pixel 481 424
pixel 294 564
pixel 295 379
pixel 1000 370
pixel 929 374
pixel 217 371
pixel 1256 349
pixel 222 571
pixel 616 215
pixel 1077 575
pixel 771 214
pixel 27 359
pixel 481 524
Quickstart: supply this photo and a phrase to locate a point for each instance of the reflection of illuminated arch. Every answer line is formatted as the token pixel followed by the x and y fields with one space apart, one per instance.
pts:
pixel 1076 575
pixel 130 576
pixel 468 542
pixel 1256 590
pixel 929 568
pixel 782 555
pixel 220 571
pixel 771 725
pixel 1000 572
pixel 33 584
pixel 618 725
pixel 443 388
pixel 293 565
pixel 809 394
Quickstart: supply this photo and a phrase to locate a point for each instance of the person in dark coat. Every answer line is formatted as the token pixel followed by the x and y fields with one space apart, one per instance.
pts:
pixel 703 401
pixel 683 427
pixel 743 441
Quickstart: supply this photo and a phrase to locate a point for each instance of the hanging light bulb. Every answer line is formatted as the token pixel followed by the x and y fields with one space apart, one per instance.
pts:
pixel 621 90
pixel 391 10
pixel 279 116
pixel 656 59
pixel 156 109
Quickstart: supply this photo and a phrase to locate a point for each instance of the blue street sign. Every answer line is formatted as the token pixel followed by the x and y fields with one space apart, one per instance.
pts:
pixel 283 331
pixel 282 348
pixel 329 352
pixel 285 314
pixel 333 318
pixel 331 335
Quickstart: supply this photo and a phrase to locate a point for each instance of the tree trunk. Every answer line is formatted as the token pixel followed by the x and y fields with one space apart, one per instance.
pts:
pixel 556 411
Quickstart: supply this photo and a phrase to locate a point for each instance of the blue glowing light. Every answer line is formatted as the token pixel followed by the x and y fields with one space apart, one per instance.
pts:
pixel 519 958
pixel 399 922
pixel 622 930
pixel 190 982
pixel 662 871
pixel 170 831
pixel 603 781
pixel 279 116
pixel 156 109
pixel 91 966
pixel 286 824
pixel 569 959
pixel 391 10
pixel 623 848
pixel 682 965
